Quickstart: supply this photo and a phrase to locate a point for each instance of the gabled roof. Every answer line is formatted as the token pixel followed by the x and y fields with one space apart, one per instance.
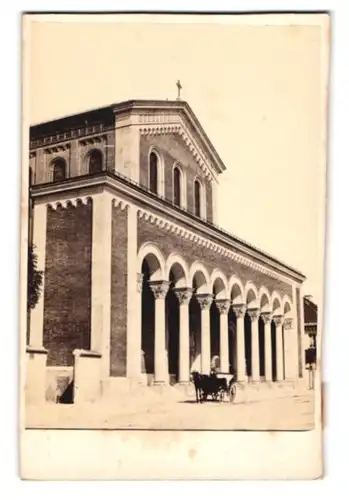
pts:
pixel 107 115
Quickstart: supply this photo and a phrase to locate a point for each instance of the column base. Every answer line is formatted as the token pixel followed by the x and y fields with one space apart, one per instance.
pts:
pixel 35 374
pixel 160 382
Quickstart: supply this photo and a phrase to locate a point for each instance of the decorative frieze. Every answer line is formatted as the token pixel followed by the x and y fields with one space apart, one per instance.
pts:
pixel 162 124
pixel 203 242
pixel 59 148
pixel 70 202
pixel 120 203
pixel 93 140
pixel 70 134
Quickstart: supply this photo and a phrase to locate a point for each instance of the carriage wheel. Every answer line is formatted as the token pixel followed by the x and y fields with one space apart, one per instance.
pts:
pixel 232 393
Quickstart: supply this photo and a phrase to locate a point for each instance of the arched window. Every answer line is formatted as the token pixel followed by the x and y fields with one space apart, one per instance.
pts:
pixel 197 198
pixel 177 186
pixel 59 170
pixel 153 173
pixel 95 161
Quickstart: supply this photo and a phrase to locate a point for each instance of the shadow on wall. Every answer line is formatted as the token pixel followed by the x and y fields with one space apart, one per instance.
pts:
pixel 67 395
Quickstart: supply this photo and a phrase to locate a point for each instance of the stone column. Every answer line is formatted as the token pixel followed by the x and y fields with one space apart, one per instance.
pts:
pixel 254 315
pixel 184 296
pixel 160 289
pixel 39 241
pixel 267 346
pixel 290 346
pixel 223 307
pixel 278 320
pixel 100 283
pixel 239 311
pixel 205 301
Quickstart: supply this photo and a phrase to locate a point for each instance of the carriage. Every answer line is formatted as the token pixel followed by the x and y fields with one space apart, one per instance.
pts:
pixel 217 385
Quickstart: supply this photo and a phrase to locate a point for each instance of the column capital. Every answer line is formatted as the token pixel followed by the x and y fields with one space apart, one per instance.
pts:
pixel 288 323
pixel 239 310
pixel 159 288
pixel 266 317
pixel 205 300
pixel 139 282
pixel 183 295
pixel 278 320
pixel 253 314
pixel 223 305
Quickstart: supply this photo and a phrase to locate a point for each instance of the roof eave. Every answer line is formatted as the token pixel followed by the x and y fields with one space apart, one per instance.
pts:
pixel 126 106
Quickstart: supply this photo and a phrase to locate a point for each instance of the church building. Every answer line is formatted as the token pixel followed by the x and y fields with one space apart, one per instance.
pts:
pixel 140 284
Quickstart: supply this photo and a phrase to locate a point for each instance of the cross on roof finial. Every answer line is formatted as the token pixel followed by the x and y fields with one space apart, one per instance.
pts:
pixel 179 87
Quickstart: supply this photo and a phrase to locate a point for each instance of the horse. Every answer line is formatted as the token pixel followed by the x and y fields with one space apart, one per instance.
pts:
pixel 209 385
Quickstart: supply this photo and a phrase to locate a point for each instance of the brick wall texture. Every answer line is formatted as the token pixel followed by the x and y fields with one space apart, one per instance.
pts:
pixel 74 154
pixel 173 148
pixel 169 243
pixel 118 293
pixel 67 290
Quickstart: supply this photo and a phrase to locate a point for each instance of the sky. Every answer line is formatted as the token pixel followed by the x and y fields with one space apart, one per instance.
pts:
pixel 258 92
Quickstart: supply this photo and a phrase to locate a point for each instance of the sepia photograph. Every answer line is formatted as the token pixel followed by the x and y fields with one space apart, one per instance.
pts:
pixel 174 176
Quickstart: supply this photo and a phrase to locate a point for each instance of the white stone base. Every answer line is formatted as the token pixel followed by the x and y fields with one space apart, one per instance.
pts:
pixel 35 386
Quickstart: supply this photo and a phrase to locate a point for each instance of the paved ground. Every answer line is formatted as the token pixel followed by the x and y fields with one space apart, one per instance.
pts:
pixel 154 412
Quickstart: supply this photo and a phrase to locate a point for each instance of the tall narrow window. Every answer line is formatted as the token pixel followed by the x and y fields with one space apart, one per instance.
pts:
pixel 59 170
pixel 153 173
pixel 95 161
pixel 197 198
pixel 177 186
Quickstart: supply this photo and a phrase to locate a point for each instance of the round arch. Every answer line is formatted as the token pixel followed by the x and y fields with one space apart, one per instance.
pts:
pixel 264 299
pixel 94 160
pixel 276 304
pixel 251 296
pixel 199 272
pixel 179 268
pixel 58 167
pixel 178 185
pixel 159 170
pixel 199 201
pixel 286 305
pixel 155 260
pixel 236 290
pixel 221 282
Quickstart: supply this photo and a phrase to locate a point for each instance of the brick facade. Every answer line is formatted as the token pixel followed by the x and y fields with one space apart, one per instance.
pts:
pixel 168 243
pixel 71 140
pixel 118 317
pixel 172 148
pixel 67 287
pixel 66 306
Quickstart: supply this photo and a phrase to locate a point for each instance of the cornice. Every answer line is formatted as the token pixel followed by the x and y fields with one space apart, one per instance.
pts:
pixel 156 112
pixel 171 218
pixel 160 123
